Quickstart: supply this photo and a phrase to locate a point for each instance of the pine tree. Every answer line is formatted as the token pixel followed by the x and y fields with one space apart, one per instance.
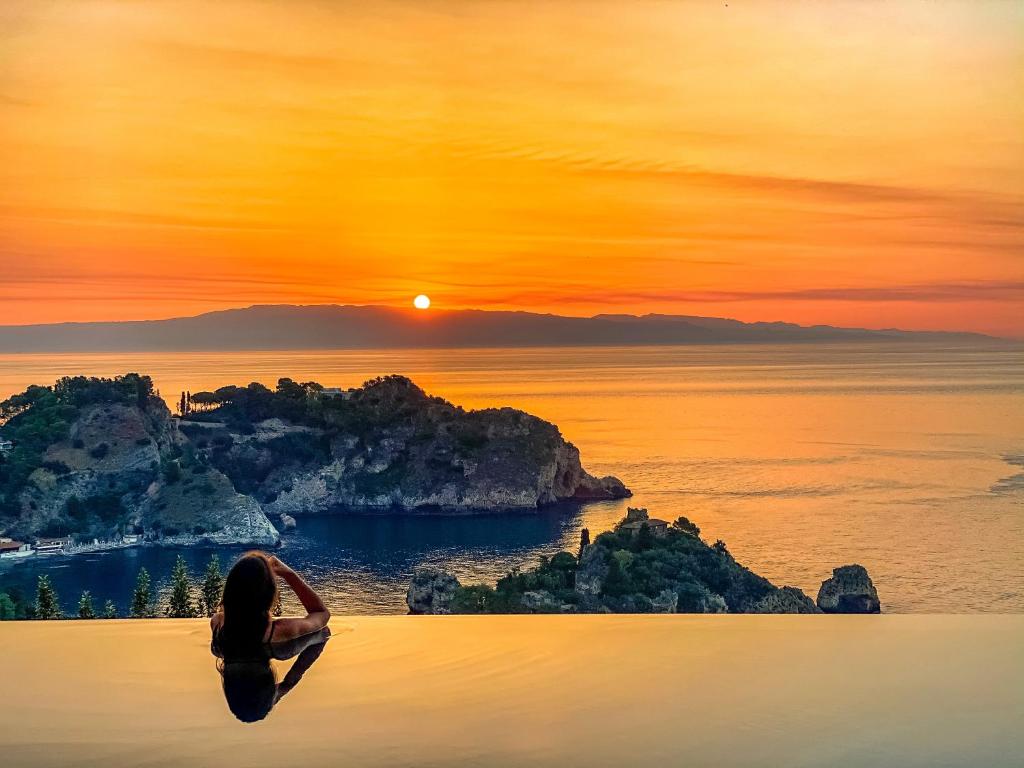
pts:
pixel 109 610
pixel 85 609
pixel 213 585
pixel 8 610
pixel 47 602
pixel 181 592
pixel 143 596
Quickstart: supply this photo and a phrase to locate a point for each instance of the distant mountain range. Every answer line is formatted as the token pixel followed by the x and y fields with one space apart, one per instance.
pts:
pixel 284 326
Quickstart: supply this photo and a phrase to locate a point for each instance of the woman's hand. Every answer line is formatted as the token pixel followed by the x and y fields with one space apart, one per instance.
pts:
pixel 278 568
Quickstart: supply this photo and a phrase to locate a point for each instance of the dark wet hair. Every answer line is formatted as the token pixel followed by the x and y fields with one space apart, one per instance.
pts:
pixel 250 688
pixel 250 593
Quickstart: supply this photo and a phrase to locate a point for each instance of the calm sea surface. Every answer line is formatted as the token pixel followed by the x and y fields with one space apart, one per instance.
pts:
pixel 906 459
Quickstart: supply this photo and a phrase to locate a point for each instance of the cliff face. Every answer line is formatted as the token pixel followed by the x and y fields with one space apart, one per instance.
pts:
pixel 388 445
pixel 94 461
pixel 123 466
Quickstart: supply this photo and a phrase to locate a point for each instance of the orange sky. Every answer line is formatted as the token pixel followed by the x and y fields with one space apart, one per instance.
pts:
pixel 857 163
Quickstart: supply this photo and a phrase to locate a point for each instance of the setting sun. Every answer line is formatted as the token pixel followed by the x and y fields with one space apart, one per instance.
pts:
pixel 421 302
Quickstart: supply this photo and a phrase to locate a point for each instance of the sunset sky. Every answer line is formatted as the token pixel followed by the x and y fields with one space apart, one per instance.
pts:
pixel 847 163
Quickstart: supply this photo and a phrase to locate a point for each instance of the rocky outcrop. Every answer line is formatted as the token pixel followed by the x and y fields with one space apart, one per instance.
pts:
pixel 592 571
pixel 785 600
pixel 389 445
pixel 623 571
pixel 431 591
pixel 541 601
pixel 849 590
pixel 121 466
pixel 116 460
pixel 666 602
pixel 697 598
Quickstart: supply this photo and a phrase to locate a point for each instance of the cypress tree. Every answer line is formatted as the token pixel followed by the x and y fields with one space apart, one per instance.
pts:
pixel 181 592
pixel 143 596
pixel 213 585
pixel 584 542
pixel 110 610
pixel 47 602
pixel 85 609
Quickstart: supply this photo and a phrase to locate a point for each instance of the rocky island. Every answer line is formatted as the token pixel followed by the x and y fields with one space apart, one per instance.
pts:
pixel 644 565
pixel 94 458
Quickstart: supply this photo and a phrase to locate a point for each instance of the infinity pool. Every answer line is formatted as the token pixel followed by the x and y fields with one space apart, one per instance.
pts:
pixel 531 690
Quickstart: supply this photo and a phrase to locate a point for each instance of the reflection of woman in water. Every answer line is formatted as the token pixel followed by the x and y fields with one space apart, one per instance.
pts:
pixel 246 638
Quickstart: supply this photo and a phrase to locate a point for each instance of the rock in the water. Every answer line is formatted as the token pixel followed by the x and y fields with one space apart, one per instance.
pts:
pixel 592 488
pixel 849 591
pixel 287 522
pixel 785 600
pixel 431 591
pixel 592 570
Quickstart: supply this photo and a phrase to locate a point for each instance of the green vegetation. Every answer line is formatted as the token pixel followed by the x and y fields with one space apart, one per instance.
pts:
pixel 85 609
pixel 181 606
pixel 241 407
pixel 8 610
pixel 626 571
pixel 182 602
pixel 47 602
pixel 14 605
pixel 35 419
pixel 142 599
pixel 213 585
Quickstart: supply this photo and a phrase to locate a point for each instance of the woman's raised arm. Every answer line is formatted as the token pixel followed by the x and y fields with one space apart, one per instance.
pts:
pixel 317 615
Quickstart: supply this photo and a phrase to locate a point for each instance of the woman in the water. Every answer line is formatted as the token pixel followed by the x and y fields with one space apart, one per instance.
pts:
pixel 246 637
pixel 243 624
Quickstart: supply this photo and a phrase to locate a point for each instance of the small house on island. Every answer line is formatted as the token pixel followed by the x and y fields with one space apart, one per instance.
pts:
pixel 9 548
pixel 344 394
pixel 637 518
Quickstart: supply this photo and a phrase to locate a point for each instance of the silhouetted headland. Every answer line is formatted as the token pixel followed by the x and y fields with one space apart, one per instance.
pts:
pixel 288 326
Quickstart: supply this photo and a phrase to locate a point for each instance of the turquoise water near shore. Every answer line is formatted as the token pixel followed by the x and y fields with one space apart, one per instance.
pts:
pixel 905 458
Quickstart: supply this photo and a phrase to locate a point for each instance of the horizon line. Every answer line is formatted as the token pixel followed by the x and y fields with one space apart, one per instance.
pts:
pixel 412 311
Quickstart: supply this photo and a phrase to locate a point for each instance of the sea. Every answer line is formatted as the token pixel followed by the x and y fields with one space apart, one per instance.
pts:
pixel 907 458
